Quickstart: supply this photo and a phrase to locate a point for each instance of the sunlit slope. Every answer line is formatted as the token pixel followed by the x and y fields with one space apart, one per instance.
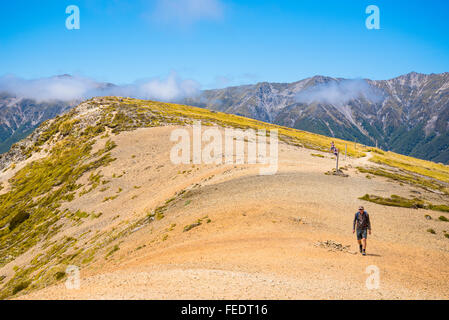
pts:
pixel 127 113
pixel 304 138
pixel 86 185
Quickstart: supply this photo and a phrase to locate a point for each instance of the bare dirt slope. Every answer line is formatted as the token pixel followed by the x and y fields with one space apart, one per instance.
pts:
pixel 258 235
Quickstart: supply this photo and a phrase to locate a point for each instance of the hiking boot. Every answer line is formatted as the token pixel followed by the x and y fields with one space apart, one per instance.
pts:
pixel 364 253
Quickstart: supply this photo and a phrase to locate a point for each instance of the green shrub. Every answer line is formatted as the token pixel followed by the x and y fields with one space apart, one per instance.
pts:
pixel 110 198
pixel 376 151
pixel 66 127
pixel 405 177
pixel 431 231
pixel 114 249
pixel 439 207
pixel 317 155
pixel 398 201
pixel 193 225
pixel 443 218
pixel 18 219
pixel 20 286
pixel 394 201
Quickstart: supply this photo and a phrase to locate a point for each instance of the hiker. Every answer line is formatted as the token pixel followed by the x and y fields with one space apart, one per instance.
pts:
pixel 334 150
pixel 363 227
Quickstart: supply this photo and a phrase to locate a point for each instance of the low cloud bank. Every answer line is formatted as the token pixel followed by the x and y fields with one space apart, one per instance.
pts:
pixel 340 92
pixel 69 88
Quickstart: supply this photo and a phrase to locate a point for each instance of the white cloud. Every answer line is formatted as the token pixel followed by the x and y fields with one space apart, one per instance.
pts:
pixel 170 89
pixel 64 88
pixel 186 12
pixel 339 93
pixel 69 88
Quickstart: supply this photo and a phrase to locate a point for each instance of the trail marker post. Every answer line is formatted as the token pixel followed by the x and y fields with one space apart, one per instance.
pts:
pixel 336 155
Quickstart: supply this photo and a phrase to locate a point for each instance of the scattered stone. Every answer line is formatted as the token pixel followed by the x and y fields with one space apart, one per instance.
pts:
pixel 298 220
pixel 334 246
pixel 334 172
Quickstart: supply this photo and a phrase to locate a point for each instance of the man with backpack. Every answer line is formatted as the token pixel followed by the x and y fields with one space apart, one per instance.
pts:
pixel 363 224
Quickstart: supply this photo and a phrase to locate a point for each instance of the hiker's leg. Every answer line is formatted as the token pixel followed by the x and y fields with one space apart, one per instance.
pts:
pixel 364 243
pixel 359 237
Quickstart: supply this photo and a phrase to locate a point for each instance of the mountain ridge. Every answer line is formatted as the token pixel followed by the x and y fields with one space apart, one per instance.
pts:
pixel 408 114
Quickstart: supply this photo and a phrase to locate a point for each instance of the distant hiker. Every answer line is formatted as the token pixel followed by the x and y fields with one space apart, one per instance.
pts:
pixel 334 150
pixel 363 227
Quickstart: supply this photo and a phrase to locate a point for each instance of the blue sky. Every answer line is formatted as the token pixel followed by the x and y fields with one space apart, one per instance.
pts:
pixel 219 42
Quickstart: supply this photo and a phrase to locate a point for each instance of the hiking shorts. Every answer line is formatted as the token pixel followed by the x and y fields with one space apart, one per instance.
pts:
pixel 362 234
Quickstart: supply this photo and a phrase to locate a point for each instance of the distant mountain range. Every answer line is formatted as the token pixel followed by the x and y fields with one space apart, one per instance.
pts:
pixel 408 114
pixel 19 117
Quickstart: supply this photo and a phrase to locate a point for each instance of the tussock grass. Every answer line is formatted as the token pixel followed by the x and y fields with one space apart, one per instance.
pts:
pixel 317 155
pixel 110 198
pixel 398 201
pixel 192 225
pixel 394 201
pixel 197 223
pixel 422 167
pixel 113 250
pixel 20 286
pixel 408 178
